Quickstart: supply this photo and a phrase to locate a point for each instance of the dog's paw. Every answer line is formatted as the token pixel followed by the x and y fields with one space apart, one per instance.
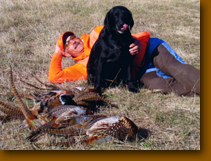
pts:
pixel 98 89
pixel 132 88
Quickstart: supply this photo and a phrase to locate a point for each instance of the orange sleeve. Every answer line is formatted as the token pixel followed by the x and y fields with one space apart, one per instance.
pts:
pixel 94 35
pixel 139 60
pixel 143 37
pixel 74 72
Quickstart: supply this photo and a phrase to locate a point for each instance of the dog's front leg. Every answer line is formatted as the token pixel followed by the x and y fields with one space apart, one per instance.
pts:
pixel 131 85
pixel 98 76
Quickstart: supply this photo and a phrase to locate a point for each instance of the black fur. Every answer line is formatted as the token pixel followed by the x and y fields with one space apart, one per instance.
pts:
pixel 110 61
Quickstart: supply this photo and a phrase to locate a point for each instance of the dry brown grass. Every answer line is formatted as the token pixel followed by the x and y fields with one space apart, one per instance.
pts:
pixel 29 31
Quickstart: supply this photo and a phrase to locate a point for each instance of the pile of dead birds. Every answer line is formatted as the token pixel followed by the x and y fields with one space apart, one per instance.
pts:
pixel 68 113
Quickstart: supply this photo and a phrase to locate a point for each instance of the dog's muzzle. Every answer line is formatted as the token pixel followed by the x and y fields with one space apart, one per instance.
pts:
pixel 123 28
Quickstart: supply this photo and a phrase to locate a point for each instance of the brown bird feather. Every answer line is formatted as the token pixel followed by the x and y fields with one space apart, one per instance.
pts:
pixel 10 111
pixel 29 117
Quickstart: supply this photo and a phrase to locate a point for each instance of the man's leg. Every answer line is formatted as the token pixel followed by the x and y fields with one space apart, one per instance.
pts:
pixel 152 81
pixel 186 78
pixel 185 74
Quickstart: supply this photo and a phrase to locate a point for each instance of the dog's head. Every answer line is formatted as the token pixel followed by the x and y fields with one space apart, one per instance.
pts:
pixel 120 19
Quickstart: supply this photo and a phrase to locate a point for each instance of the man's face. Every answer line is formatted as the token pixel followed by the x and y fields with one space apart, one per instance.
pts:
pixel 74 46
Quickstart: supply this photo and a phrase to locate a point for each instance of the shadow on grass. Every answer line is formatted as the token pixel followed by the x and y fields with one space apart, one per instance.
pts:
pixel 143 133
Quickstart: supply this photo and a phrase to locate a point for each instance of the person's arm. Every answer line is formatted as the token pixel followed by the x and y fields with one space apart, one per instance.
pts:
pixel 59 75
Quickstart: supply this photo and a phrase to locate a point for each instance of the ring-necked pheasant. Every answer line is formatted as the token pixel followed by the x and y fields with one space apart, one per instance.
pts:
pixel 66 125
pixel 86 97
pixel 94 128
pixel 52 96
pixel 121 128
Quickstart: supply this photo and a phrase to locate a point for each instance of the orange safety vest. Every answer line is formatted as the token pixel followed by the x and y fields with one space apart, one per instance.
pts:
pixel 79 70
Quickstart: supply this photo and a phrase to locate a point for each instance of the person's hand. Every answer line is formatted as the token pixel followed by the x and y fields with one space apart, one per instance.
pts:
pixel 59 51
pixel 135 47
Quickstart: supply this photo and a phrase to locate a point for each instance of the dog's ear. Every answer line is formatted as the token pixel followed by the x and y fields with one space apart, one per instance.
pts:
pixel 131 22
pixel 108 20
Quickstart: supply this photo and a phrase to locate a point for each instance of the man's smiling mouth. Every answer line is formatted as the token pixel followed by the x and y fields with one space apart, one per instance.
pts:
pixel 75 45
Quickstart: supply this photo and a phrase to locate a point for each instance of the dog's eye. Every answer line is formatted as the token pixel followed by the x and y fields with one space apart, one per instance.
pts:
pixel 116 14
pixel 124 14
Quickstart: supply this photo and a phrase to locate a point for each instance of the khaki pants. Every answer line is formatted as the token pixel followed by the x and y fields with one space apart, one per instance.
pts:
pixel 185 79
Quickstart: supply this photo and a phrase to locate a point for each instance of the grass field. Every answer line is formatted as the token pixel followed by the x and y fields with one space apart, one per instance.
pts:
pixel 29 31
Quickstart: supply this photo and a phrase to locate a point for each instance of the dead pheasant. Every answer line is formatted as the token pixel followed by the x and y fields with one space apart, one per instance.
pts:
pixel 68 110
pixel 75 96
pixel 94 129
pixel 72 124
pixel 52 96
pixel 86 97
pixel 121 128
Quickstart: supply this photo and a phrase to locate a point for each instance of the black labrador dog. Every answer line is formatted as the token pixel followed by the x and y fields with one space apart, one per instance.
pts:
pixel 110 62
